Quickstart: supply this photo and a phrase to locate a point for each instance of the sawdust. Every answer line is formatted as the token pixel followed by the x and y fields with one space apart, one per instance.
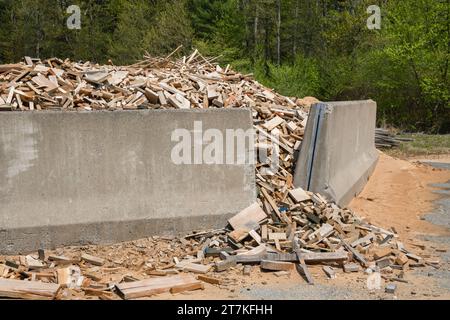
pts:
pixel 398 194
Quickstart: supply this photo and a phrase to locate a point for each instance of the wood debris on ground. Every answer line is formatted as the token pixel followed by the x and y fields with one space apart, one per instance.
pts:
pixel 286 227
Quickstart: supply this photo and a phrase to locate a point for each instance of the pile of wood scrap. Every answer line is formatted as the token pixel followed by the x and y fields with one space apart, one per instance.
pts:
pixel 320 233
pixel 287 227
pixel 131 270
pixel 309 230
pixel 189 82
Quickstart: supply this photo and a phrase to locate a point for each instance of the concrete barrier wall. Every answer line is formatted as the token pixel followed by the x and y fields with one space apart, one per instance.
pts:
pixel 338 153
pixel 101 177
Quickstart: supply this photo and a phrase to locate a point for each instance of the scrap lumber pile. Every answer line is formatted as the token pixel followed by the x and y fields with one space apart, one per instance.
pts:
pixel 190 82
pixel 157 265
pixel 386 139
pixel 287 228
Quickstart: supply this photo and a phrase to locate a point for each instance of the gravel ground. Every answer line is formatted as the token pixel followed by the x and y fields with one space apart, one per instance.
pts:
pixel 305 292
pixel 441 216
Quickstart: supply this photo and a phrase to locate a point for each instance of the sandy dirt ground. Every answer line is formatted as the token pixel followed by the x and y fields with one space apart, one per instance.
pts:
pixel 398 195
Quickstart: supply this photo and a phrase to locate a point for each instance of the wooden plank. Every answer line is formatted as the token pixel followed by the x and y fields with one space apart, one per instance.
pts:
pixel 171 89
pixel 277 236
pixel 274 122
pixel 355 253
pixel 255 236
pixel 264 232
pixel 196 268
pixel 9 67
pixel 329 271
pixel 299 195
pixel 276 265
pixel 152 96
pixel 238 235
pixel 187 287
pixel 248 219
pixel 210 280
pixel 93 260
pixel 226 264
pixel 310 257
pixel 19 289
pixel 303 269
pixel 281 216
pixel 149 287
pixel 381 253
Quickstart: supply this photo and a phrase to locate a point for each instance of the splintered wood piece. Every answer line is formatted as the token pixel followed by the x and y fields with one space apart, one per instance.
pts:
pixel 329 271
pixel 303 269
pixel 281 216
pixel 149 287
pixel 248 219
pixel 355 253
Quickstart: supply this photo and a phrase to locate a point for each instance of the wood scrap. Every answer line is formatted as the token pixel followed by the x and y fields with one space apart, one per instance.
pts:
pixel 150 287
pixel 17 289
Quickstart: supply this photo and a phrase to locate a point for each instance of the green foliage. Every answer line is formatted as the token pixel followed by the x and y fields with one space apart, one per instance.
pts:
pixel 170 29
pixel 205 15
pixel 300 78
pixel 134 19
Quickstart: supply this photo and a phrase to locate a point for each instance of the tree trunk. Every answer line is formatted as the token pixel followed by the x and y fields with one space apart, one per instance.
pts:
pixel 278 32
pixel 296 31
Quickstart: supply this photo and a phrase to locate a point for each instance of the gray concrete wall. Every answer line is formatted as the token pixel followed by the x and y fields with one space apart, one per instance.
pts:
pixel 102 177
pixel 338 153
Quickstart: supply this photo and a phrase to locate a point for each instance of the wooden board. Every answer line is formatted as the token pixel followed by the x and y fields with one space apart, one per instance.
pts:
pixel 303 269
pixel 149 287
pixel 276 265
pixel 210 280
pixel 275 122
pixel 19 289
pixel 196 268
pixel 92 260
pixel 248 219
pixel 299 195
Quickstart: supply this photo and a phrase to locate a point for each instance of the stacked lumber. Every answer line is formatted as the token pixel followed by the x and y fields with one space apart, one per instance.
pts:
pixel 386 139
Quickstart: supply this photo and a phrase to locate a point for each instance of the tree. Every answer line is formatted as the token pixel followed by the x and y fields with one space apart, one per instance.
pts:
pixel 171 28
pixel 134 20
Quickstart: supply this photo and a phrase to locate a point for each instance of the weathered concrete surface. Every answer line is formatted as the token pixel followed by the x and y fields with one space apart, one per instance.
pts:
pixel 102 177
pixel 338 153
